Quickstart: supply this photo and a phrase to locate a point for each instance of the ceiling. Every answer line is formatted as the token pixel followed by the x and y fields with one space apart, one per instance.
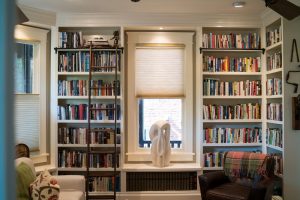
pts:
pixel 203 7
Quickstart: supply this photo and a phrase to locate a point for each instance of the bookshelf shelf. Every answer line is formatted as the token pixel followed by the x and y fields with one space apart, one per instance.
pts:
pixel 233 121
pixel 230 50
pixel 212 168
pixel 86 97
pixel 274 97
pixel 86 73
pixel 273 71
pixel 274 147
pixel 277 45
pixel 231 144
pixel 232 97
pixel 232 73
pixel 274 122
pixel 87 49
pixel 83 169
pixel 85 121
pixel 84 145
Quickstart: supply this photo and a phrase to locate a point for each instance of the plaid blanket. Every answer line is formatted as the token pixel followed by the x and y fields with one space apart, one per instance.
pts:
pixel 245 164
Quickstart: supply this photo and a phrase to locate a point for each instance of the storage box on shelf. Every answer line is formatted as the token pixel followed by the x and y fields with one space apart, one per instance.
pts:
pixel 81 50
pixel 231 92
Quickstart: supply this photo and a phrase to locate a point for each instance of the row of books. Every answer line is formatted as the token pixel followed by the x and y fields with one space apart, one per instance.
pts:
pixel 274 137
pixel 232 40
pixel 273 36
pixel 104 184
pixel 81 87
pixel 78 159
pixel 215 87
pixel 240 111
pixel 213 159
pixel 68 135
pixel 232 135
pixel 274 111
pixel 161 181
pixel 231 64
pixel 274 61
pixel 70 40
pixel 80 61
pixel 80 112
pixel 274 86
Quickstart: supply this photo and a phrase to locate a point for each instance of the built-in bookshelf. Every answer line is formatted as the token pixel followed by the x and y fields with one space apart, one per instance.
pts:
pixel 274 93
pixel 89 145
pixel 231 92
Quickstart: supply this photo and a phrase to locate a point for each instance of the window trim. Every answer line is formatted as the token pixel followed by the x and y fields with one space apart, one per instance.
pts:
pixel 133 152
pixel 36 35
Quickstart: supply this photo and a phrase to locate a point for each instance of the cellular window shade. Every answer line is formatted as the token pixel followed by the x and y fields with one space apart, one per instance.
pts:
pixel 27 119
pixel 159 72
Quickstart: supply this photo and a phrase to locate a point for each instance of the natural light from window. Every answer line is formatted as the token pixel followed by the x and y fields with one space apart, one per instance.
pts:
pixel 152 110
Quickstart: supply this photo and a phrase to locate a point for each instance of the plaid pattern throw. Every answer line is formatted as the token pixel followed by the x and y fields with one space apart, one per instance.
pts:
pixel 245 164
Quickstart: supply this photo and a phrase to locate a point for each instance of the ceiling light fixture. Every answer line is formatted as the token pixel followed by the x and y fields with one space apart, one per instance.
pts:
pixel 161 28
pixel 238 4
pixel 135 0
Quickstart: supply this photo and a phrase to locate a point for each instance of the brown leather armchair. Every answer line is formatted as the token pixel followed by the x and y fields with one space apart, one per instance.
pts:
pixel 218 186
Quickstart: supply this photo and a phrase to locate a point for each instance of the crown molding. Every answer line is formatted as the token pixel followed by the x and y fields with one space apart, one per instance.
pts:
pixel 38 17
pixel 156 19
pixel 269 16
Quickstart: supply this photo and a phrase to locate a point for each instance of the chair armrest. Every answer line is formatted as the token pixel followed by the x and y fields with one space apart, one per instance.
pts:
pixel 71 182
pixel 263 189
pixel 210 180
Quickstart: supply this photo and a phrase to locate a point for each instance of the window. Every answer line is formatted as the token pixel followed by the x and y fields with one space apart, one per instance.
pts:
pixel 27 100
pixel 152 110
pixel 160 87
pixel 31 90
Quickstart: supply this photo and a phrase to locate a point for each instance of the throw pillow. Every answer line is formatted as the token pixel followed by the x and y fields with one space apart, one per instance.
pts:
pixel 24 177
pixel 45 187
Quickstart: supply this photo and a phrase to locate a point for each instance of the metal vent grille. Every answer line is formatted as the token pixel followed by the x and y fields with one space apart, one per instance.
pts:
pixel 161 181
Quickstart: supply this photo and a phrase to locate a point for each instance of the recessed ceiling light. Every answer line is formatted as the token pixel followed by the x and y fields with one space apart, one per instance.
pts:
pixel 238 4
pixel 161 28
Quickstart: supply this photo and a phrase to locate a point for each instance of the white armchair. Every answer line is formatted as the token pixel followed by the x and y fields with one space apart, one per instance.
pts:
pixel 72 187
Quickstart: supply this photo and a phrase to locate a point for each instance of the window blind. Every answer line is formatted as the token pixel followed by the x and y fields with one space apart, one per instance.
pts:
pixel 27 120
pixel 159 71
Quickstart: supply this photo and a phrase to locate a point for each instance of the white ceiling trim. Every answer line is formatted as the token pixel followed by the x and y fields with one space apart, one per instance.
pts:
pixel 135 19
pixel 38 17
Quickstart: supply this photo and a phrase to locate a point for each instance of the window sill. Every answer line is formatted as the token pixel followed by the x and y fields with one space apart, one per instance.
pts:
pixel 175 156
pixel 51 168
pixel 40 158
pixel 172 167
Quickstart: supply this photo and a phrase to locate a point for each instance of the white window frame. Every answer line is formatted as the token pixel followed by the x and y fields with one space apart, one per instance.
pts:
pixel 38 36
pixel 134 39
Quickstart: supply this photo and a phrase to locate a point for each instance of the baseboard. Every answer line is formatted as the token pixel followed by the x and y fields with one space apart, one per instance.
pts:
pixel 192 195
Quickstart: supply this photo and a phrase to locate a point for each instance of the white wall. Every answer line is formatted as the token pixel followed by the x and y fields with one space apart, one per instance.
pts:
pixel 291 29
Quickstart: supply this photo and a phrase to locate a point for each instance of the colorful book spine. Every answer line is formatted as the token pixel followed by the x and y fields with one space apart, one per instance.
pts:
pixel 274 86
pixel 213 159
pixel 231 64
pixel 232 135
pixel 273 36
pixel 274 111
pixel 240 111
pixel 232 40
pixel 274 61
pixel 215 87
pixel 104 184
pixel 274 137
